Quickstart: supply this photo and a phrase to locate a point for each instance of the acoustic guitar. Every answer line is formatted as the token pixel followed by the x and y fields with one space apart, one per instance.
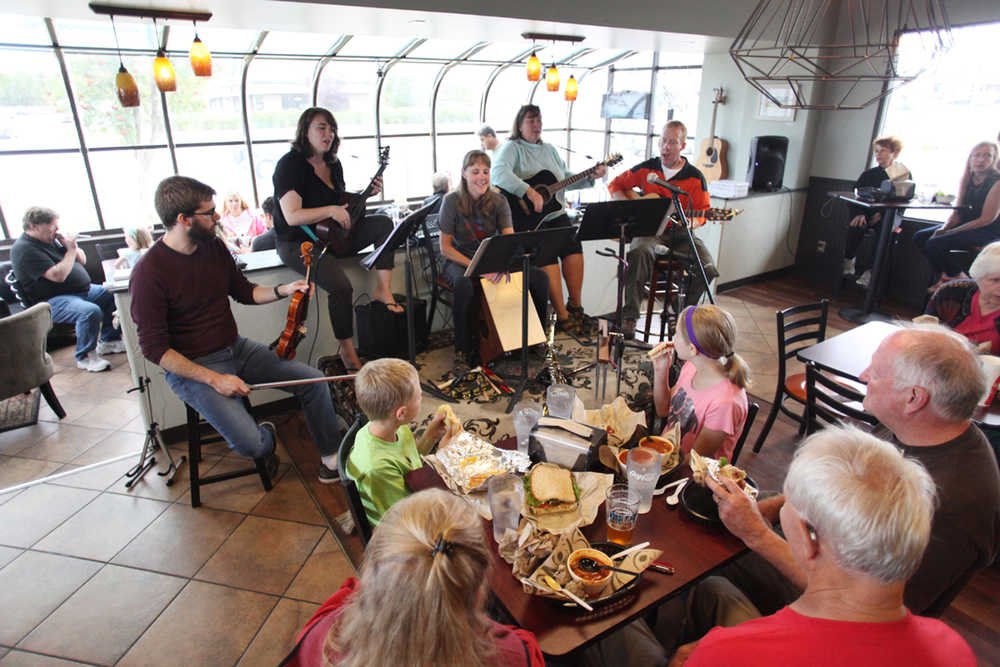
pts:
pixel 341 240
pixel 712 158
pixel 545 184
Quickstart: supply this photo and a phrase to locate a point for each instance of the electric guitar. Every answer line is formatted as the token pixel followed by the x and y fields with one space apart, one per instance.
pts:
pixel 340 240
pixel 544 183
pixel 712 159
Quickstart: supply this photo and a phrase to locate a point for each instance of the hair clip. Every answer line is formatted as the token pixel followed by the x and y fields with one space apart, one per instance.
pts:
pixel 442 545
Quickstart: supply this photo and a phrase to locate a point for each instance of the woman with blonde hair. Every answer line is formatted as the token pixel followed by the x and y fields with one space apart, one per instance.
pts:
pixel 238 223
pixel 709 399
pixel 420 599
pixel 137 241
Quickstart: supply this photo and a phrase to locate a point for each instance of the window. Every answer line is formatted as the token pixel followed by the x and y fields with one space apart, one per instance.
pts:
pixel 278 91
pixel 23 186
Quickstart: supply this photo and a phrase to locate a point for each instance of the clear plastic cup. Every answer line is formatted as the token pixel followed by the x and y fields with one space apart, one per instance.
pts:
pixel 506 497
pixel 643 470
pixel 526 415
pixel 560 398
pixel 621 511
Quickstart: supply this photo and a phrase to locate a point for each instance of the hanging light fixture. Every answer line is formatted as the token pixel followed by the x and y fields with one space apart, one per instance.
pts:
pixel 201 59
pixel 125 88
pixel 163 71
pixel 552 78
pixel 571 89
pixel 534 68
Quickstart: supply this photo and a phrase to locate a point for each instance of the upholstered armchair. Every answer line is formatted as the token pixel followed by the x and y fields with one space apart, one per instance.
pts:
pixel 24 363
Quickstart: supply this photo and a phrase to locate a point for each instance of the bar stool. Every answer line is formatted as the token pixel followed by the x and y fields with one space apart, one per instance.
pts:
pixel 195 441
pixel 674 281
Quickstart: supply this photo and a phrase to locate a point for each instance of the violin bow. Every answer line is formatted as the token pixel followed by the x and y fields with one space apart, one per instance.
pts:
pixel 295 383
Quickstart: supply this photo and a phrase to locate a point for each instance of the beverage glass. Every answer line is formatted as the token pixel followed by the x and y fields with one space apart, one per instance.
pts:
pixel 643 470
pixel 560 399
pixel 506 497
pixel 526 415
pixel 621 511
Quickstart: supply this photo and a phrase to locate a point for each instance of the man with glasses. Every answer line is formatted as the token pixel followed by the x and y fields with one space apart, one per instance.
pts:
pixel 180 303
pixel 50 267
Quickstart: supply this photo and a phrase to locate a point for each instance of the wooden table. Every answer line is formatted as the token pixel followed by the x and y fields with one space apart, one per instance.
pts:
pixel 694 549
pixel 849 353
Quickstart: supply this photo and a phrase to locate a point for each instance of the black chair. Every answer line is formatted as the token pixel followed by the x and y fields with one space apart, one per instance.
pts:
pixel 109 250
pixel 832 402
pixel 752 410
pixel 195 440
pixel 798 327
pixel 350 488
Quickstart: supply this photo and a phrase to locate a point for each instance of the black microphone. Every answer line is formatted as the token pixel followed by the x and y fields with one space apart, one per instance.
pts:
pixel 654 179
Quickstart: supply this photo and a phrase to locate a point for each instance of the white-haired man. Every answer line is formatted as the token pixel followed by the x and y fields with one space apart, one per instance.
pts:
pixel 923 385
pixel 857 515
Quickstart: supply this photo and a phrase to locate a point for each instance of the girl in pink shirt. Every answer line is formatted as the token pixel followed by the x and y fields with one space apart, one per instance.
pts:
pixel 709 399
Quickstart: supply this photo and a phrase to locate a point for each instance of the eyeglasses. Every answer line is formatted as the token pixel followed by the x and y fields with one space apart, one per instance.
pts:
pixel 210 212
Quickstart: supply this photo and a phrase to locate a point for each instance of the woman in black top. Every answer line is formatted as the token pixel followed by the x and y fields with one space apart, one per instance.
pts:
pixel 308 186
pixel 976 223
pixel 887 149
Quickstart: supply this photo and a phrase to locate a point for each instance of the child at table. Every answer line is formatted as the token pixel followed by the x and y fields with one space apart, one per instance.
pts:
pixel 389 394
pixel 709 399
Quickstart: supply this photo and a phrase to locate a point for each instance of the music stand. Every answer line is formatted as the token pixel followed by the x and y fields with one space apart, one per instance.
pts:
pixel 401 235
pixel 502 253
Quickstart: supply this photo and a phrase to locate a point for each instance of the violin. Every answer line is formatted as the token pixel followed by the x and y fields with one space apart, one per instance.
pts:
pixel 298 310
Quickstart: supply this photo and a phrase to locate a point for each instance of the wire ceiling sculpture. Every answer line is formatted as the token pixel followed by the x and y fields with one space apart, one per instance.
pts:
pixel 786 47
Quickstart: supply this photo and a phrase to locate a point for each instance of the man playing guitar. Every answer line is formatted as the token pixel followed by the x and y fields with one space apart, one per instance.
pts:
pixel 670 166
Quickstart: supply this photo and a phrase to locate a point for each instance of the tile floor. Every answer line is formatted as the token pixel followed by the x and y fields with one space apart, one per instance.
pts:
pixel 230 583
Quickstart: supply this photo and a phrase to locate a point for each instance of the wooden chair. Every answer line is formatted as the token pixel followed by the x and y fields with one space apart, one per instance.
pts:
pixel 752 410
pixel 832 402
pixel 350 488
pixel 195 440
pixel 798 327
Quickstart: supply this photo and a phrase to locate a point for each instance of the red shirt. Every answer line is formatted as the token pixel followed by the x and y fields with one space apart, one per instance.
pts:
pixel 688 179
pixel 789 638
pixel 980 328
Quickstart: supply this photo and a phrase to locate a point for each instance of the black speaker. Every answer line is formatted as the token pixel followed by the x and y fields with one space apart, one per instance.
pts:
pixel 767 163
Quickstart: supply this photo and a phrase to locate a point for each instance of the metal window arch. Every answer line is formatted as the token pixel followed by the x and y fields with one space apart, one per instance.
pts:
pixel 465 55
pixel 516 60
pixel 402 53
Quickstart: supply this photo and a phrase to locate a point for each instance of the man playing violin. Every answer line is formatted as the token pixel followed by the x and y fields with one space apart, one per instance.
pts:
pixel 180 303
pixel 673 168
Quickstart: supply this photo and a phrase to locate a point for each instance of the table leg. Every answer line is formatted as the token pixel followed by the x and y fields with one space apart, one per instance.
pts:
pixel 886 225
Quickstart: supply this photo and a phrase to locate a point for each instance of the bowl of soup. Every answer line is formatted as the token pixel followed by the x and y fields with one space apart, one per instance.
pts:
pixel 592 582
pixel 670 455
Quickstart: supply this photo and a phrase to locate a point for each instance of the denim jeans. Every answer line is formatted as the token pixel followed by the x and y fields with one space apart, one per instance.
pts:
pixel 91 312
pixel 938 249
pixel 254 363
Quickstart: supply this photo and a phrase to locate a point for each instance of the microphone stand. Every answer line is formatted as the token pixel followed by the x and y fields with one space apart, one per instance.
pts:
pixel 686 224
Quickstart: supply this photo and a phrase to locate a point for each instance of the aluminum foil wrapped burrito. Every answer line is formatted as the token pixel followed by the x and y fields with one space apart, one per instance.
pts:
pixel 468 462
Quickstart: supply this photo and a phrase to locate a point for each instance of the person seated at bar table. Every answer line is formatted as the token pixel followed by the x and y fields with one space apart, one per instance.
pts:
pixel 977 220
pixel 857 516
pixel 420 599
pixel 972 307
pixel 887 168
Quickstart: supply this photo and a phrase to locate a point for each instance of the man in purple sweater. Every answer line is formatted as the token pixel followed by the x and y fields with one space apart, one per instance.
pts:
pixel 180 303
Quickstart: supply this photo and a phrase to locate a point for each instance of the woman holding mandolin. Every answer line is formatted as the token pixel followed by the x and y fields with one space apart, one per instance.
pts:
pixel 309 188
pixel 518 163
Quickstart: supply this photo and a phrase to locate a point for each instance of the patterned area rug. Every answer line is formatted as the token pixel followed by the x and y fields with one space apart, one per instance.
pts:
pixel 18 411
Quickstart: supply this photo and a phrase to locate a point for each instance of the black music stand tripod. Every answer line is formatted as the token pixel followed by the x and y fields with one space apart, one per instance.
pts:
pixel 151 444
pixel 501 254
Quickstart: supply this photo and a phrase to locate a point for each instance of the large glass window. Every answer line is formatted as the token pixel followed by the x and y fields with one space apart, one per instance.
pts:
pixel 406 98
pixel 510 91
pixel 676 97
pixel 278 91
pixel 225 168
pixel 34 109
pixel 347 88
pixel 58 181
pixel 458 99
pixel 126 181
pixel 207 109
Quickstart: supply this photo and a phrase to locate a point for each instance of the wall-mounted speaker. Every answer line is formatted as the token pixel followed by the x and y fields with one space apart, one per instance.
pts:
pixel 767 163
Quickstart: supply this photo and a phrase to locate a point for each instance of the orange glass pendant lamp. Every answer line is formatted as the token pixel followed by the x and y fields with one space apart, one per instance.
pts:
pixel 552 78
pixel 201 59
pixel 128 92
pixel 163 73
pixel 571 89
pixel 534 68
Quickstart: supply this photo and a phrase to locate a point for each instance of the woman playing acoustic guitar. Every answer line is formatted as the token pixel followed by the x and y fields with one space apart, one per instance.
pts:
pixel 309 188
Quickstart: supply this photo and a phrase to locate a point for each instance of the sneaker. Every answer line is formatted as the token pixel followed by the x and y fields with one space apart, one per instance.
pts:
pixel 327 475
pixel 848 269
pixel 110 347
pixel 93 363
pixel 865 279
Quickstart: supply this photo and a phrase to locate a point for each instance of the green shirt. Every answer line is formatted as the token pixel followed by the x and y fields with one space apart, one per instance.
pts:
pixel 379 468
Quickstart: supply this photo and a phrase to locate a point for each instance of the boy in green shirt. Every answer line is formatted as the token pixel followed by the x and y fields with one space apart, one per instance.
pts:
pixel 388 392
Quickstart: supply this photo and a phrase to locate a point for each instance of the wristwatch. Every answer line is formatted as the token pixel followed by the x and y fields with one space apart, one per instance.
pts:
pixel 277 295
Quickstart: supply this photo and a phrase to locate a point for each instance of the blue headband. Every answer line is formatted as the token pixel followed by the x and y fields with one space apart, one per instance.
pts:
pixel 690 330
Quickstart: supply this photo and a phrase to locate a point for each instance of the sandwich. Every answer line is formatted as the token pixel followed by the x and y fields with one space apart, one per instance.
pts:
pixel 550 489
pixel 660 349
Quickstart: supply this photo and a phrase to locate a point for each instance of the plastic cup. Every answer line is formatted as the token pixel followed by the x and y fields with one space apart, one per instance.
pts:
pixel 526 415
pixel 560 398
pixel 643 470
pixel 506 497
pixel 621 509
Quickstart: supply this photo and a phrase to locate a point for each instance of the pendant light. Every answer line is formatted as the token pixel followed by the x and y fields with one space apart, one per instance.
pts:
pixel 552 78
pixel 125 87
pixel 163 71
pixel 201 59
pixel 571 89
pixel 534 68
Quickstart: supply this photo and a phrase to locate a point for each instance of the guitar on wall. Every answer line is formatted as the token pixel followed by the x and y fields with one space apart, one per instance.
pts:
pixel 340 240
pixel 545 184
pixel 712 158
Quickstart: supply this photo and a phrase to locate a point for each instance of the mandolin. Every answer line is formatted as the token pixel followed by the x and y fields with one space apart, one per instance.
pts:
pixel 298 310
pixel 545 184
pixel 338 239
pixel 712 159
